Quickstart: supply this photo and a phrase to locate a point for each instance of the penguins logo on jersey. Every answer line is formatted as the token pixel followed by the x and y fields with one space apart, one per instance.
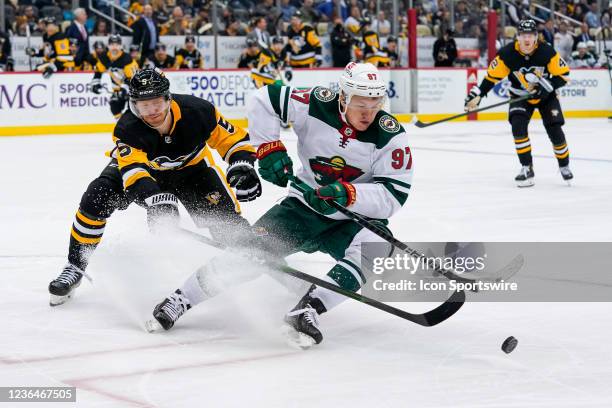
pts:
pixel 324 94
pixel 124 150
pixel 214 198
pixel 389 123
pixel 328 170
pixel 523 71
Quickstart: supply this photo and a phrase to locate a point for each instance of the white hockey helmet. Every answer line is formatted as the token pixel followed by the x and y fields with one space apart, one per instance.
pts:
pixel 362 79
pixel 581 44
pixel 590 44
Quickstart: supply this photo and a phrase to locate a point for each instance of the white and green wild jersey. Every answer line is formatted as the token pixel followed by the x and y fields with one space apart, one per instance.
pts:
pixel 378 161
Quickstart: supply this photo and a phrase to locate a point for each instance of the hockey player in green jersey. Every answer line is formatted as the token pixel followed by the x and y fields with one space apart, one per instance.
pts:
pixel 351 151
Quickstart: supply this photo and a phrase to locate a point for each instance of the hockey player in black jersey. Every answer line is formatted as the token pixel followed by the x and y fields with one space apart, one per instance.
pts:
pixel 160 58
pixel 120 67
pixel 55 50
pixel 162 156
pixel 189 57
pixel 534 68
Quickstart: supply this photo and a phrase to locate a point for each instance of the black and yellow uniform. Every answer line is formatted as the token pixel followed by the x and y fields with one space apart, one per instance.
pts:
pixel 188 60
pixel 372 51
pixel 165 64
pixel 248 60
pixel 121 68
pixel 56 51
pixel 393 57
pixel 145 163
pixel 267 70
pixel 543 62
pixel 304 49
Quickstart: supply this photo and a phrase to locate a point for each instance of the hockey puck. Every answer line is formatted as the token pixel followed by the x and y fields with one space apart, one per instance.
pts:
pixel 509 345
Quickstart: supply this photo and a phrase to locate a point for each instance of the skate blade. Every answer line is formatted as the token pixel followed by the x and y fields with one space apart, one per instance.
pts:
pixel 568 182
pixel 153 326
pixel 56 300
pixel 296 339
pixel 526 183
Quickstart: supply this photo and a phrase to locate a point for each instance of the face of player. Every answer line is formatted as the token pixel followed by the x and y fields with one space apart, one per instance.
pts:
pixel 527 42
pixel 391 46
pixel 277 48
pixel 161 54
pixel 114 48
pixel 153 111
pixel 189 46
pixel 362 110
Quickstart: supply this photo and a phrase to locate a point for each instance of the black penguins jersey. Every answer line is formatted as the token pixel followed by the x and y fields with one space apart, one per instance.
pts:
pixel 188 60
pixel 248 61
pixel 143 155
pixel 510 62
pixel 56 49
pixel 304 46
pixel 165 64
pixel 120 68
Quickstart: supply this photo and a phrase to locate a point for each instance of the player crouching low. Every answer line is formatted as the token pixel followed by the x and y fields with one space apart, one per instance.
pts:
pixel 535 68
pixel 352 152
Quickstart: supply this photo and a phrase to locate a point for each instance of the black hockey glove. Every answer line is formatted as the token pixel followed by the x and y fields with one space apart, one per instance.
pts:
pixel 10 64
pixel 96 86
pixel 539 92
pixel 473 99
pixel 31 51
pixel 162 211
pixel 50 69
pixel 288 75
pixel 242 176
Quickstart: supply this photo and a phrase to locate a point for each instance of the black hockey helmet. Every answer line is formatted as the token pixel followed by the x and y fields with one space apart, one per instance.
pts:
pixel 114 39
pixel 190 39
pixel 149 83
pixel 391 39
pixel 49 20
pixel 298 14
pixel 99 45
pixel 527 26
pixel 251 42
pixel 366 21
pixel 160 47
pixel 134 47
pixel 277 39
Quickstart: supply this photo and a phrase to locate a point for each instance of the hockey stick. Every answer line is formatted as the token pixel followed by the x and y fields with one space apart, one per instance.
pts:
pixel 430 318
pixel 28 44
pixel 505 273
pixel 420 124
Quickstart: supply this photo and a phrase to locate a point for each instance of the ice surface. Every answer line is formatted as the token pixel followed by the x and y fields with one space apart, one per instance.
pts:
pixel 228 353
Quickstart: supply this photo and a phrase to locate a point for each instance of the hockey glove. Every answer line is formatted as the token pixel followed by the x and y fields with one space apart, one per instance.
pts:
pixel 288 74
pixel 473 99
pixel 162 211
pixel 31 51
pixel 96 86
pixel 242 176
pixel 275 165
pixel 340 191
pixel 539 92
pixel 49 70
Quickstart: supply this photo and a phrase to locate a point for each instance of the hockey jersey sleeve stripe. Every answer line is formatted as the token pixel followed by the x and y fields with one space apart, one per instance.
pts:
pixel 405 187
pixel 401 197
pixel 132 179
pixel 285 98
pixel 243 145
pixel 225 135
pixel 274 92
pixel 354 269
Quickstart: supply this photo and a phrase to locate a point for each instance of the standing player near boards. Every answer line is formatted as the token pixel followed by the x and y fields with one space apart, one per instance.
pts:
pixel 534 68
pixel 161 156
pixel 121 68
pixel 352 152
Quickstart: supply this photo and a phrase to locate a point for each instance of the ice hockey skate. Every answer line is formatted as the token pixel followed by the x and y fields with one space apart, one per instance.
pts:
pixel 302 323
pixel 526 177
pixel 62 288
pixel 567 174
pixel 168 312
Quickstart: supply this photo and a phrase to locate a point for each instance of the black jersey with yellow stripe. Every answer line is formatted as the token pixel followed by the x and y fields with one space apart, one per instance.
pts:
pixel 144 155
pixel 188 60
pixel 120 67
pixel 304 46
pixel 510 62
pixel 372 51
pixel 57 50
pixel 165 64
pixel 266 72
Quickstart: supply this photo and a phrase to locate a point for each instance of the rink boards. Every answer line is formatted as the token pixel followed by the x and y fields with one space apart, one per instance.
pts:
pixel 64 103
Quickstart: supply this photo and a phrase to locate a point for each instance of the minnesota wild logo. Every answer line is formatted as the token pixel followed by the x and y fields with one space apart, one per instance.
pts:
pixel 324 94
pixel 327 170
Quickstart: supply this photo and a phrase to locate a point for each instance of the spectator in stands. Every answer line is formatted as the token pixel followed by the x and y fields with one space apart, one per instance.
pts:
pixel 29 16
pixel 445 50
pixel 6 62
pixel 309 13
pixel 564 41
pixel 592 16
pixel 381 25
pixel 584 35
pixel 178 24
pixel 233 29
pixel 329 8
pixel 146 33
pixel 267 9
pixel 188 8
pixel 287 10
pixel 160 12
pixel 462 12
pixel 547 31
pixel 136 8
pixel 582 58
pixel 459 30
pixel 341 44
pixel 160 58
pixel 353 23
pixel 391 50
pixel 202 24
pixel 100 28
pixel 260 32
pixel 78 31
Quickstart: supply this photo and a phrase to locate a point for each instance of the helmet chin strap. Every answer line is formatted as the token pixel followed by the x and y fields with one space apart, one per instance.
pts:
pixel 347 100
